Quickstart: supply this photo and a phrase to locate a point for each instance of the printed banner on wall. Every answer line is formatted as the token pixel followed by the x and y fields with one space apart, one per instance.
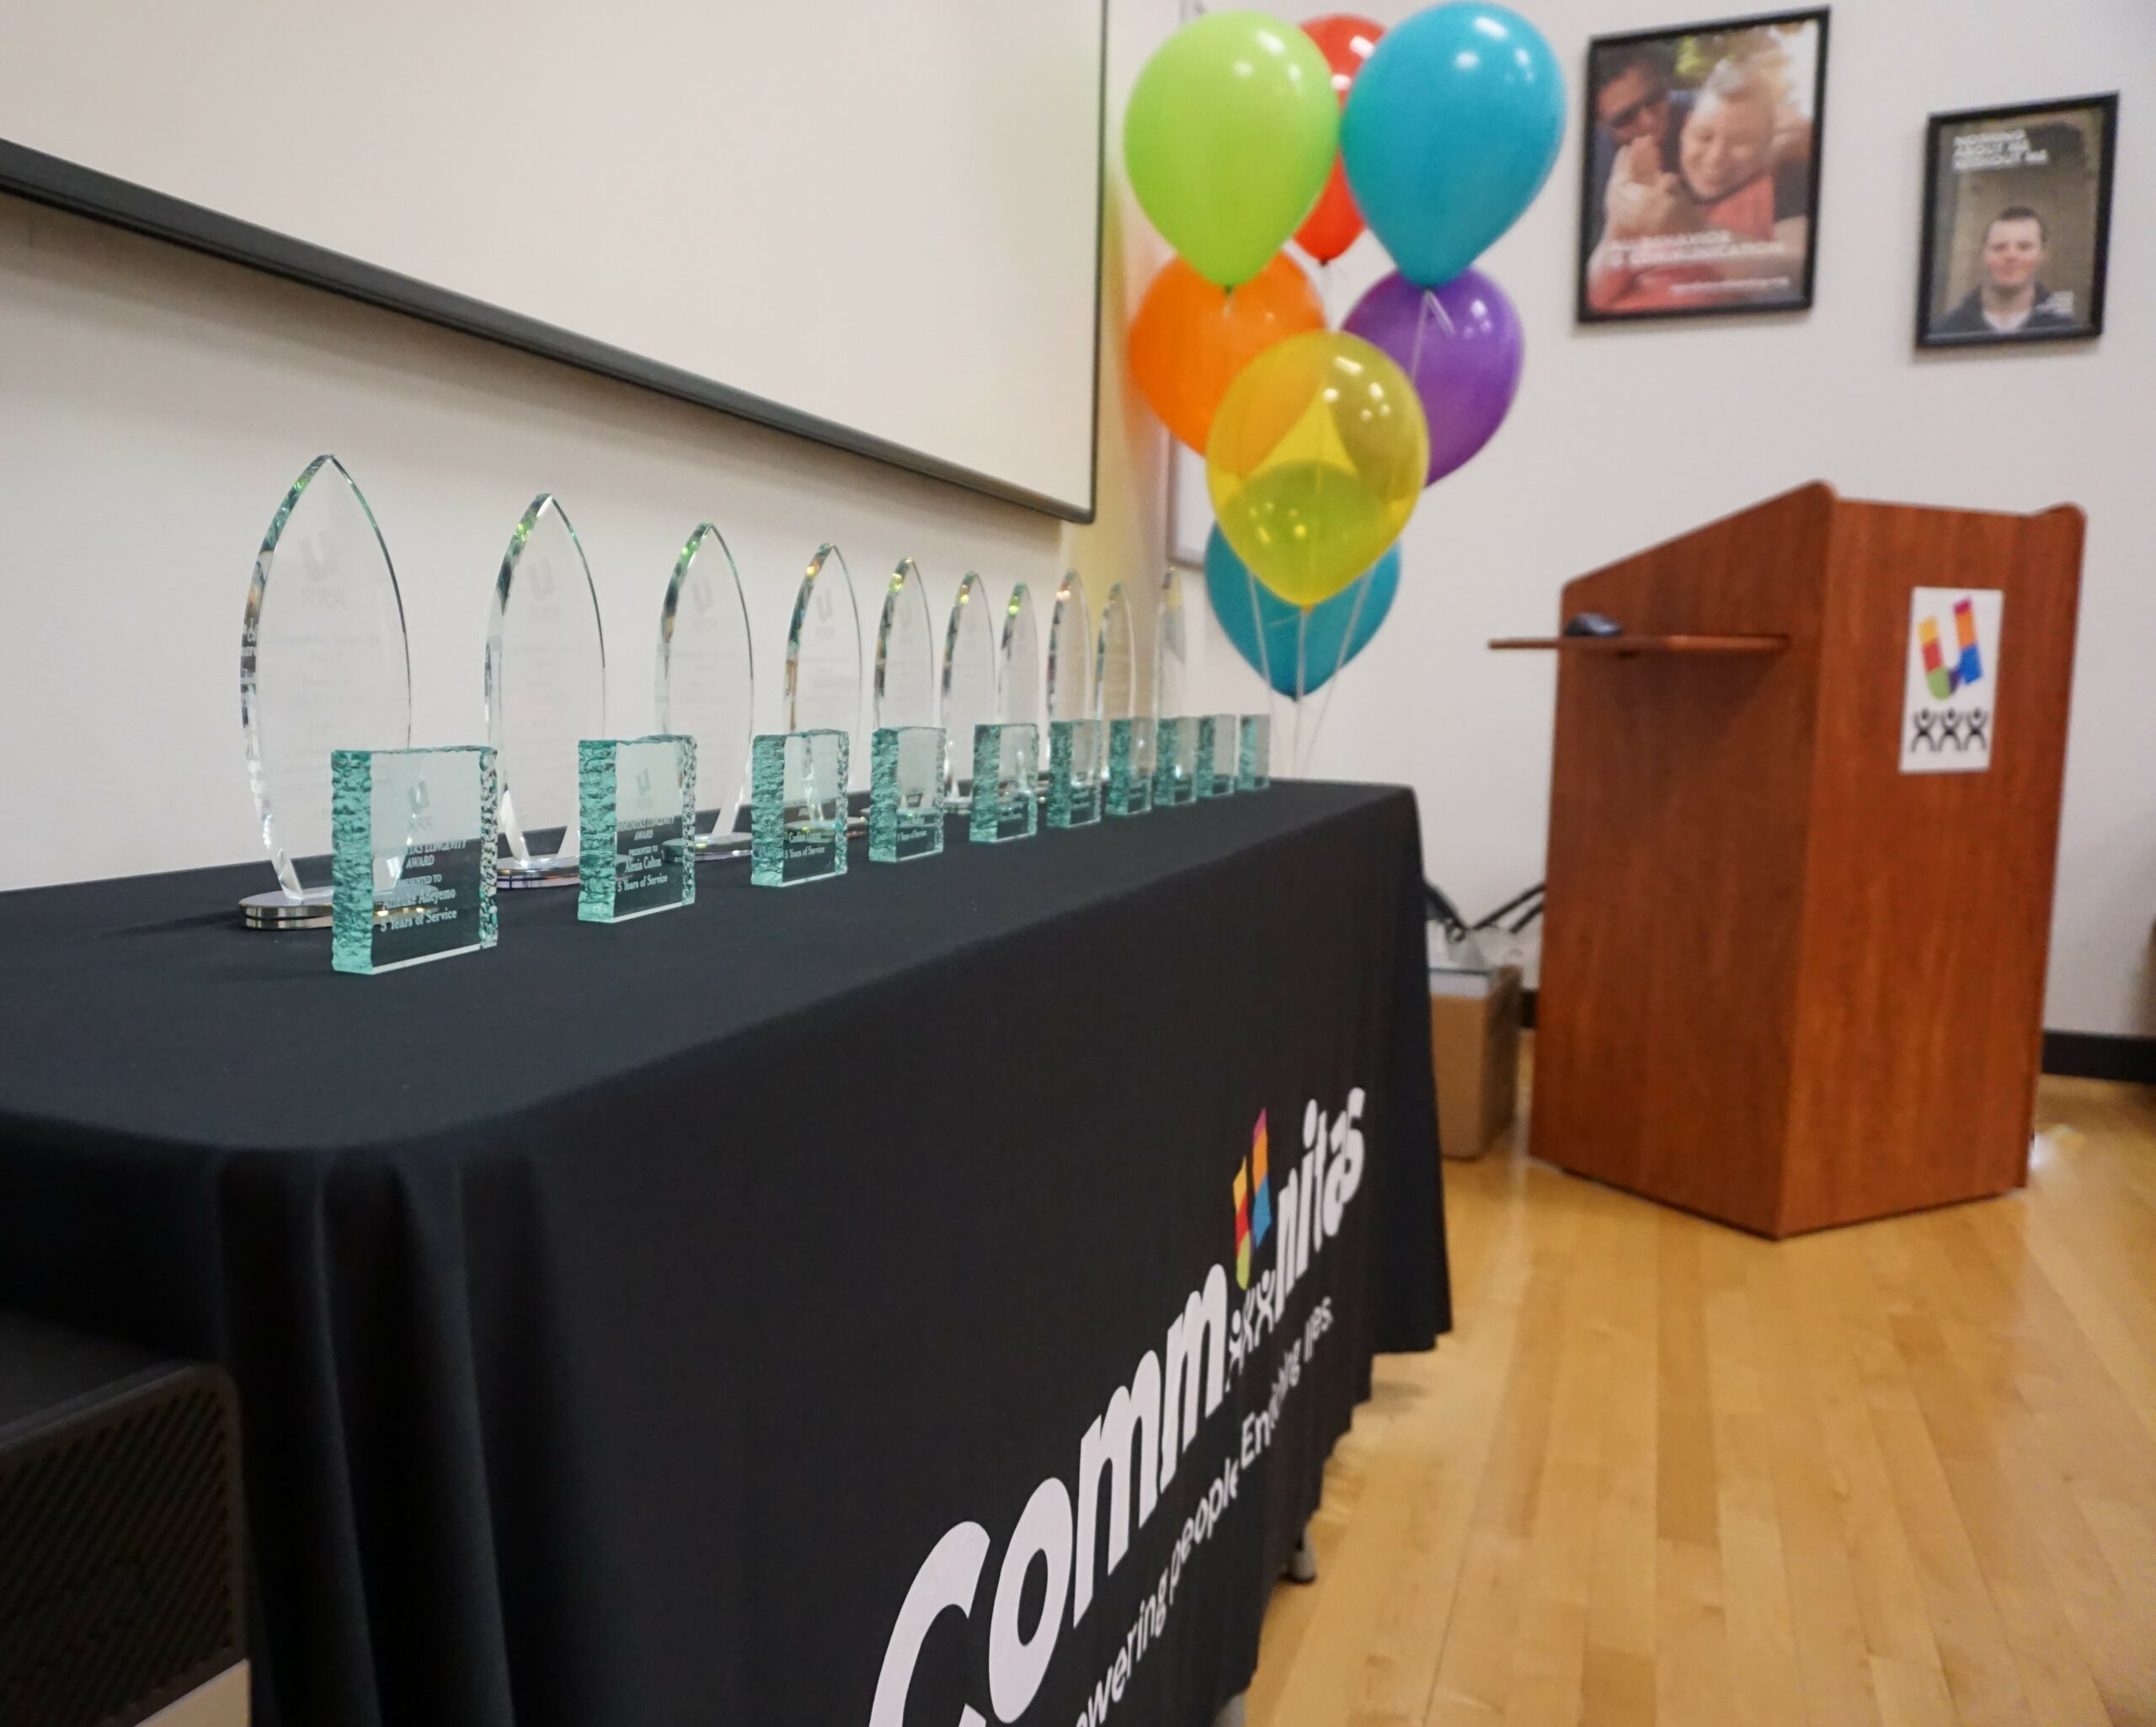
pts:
pixel 1951 688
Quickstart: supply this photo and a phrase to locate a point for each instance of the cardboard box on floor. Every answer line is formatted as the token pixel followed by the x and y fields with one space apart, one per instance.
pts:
pixel 1475 1046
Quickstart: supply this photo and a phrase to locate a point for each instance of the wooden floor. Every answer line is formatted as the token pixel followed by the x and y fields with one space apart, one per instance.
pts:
pixel 1664 1472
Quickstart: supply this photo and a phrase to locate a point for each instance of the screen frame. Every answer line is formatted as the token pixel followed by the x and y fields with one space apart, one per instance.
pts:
pixel 67 185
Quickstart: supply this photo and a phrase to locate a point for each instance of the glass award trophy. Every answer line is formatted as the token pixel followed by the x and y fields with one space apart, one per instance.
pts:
pixel 706 687
pixel 322 666
pixel 797 804
pixel 1074 730
pixel 546 692
pixel 1115 690
pixel 414 856
pixel 906 767
pixel 1175 728
pixel 1018 681
pixel 1219 739
pixel 1007 783
pixel 1254 758
pixel 638 818
pixel 968 684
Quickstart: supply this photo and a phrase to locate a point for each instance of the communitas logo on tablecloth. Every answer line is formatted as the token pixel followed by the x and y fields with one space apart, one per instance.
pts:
pixel 1134 1445
pixel 1951 681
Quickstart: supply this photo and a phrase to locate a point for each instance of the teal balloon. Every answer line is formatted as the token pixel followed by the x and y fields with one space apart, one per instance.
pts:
pixel 1229 585
pixel 1451 127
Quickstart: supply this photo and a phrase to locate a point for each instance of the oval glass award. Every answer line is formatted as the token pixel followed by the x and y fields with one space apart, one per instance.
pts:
pixel 1175 730
pixel 822 651
pixel 1018 683
pixel 322 666
pixel 905 652
pixel 706 686
pixel 1071 652
pixel 969 650
pixel 546 690
pixel 1115 698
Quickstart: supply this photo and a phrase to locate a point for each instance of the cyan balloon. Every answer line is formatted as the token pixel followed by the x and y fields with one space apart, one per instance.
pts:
pixel 1229 585
pixel 1450 130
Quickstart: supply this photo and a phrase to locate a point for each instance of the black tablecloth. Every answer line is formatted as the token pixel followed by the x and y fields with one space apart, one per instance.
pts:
pixel 705 1319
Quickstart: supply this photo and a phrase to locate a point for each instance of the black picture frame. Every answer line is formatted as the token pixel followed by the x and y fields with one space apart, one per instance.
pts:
pixel 1586 313
pixel 1931 257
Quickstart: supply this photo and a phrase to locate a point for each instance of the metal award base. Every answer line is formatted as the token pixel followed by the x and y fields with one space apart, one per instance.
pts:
pixel 722 848
pixel 556 869
pixel 277 910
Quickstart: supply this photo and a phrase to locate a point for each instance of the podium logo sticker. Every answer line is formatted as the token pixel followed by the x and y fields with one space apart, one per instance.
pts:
pixel 1253 1196
pixel 1951 680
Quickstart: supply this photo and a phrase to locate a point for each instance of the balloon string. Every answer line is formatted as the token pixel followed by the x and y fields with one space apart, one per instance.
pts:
pixel 1257 620
pixel 1340 665
pixel 1302 658
pixel 1429 303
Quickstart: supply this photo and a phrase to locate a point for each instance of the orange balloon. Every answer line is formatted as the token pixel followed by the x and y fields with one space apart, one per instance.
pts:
pixel 1190 339
pixel 1334 222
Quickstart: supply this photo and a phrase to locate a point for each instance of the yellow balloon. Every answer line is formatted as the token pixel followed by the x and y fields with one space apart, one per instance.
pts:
pixel 1317 455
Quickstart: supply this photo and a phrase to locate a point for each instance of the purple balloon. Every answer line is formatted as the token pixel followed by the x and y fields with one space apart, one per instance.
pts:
pixel 1459 343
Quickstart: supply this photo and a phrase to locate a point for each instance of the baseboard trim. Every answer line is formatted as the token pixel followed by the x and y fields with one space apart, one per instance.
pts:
pixel 2100 1055
pixel 2071 1055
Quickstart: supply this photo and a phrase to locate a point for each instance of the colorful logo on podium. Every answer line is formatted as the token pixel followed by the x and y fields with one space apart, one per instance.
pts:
pixel 1967 668
pixel 1253 1191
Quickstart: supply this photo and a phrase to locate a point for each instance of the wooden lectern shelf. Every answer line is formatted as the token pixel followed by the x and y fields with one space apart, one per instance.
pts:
pixel 1626 646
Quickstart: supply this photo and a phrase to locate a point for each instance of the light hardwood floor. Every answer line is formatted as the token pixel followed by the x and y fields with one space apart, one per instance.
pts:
pixel 1664 1472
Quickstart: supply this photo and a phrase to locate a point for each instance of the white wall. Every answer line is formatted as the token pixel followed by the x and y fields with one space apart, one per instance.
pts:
pixel 1622 437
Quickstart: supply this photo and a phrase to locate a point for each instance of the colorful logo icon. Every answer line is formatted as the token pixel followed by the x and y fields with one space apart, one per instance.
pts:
pixel 1253 1191
pixel 1939 677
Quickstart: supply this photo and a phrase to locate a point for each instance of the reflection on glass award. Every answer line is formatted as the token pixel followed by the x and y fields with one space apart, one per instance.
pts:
pixel 968 684
pixel 706 682
pixel 1018 682
pixel 1006 776
pixel 822 651
pixel 796 806
pixel 906 769
pixel 1254 759
pixel 905 793
pixel 1075 745
pixel 322 666
pixel 638 822
pixel 1115 690
pixel 414 856
pixel 1218 738
pixel 1175 728
pixel 546 692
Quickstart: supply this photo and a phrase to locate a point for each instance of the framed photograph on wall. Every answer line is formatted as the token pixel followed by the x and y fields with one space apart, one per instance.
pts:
pixel 2017 220
pixel 1700 173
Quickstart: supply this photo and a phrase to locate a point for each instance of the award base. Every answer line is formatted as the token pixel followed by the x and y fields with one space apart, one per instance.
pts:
pixel 721 848
pixel 1174 756
pixel 1007 776
pixel 1130 773
pixel 1254 756
pixel 797 807
pixel 1074 773
pixel 637 817
pixel 905 793
pixel 415 832
pixel 553 869
pixel 1218 744
pixel 278 910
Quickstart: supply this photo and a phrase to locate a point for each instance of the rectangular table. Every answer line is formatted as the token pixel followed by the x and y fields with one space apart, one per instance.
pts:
pixel 816 1306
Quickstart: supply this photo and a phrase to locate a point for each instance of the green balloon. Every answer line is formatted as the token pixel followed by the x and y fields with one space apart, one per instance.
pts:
pixel 1228 139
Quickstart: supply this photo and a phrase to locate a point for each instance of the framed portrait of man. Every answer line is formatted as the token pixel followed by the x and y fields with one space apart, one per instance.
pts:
pixel 2017 218
pixel 1700 176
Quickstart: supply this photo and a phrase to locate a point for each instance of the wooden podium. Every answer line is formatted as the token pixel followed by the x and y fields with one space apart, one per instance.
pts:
pixel 1785 983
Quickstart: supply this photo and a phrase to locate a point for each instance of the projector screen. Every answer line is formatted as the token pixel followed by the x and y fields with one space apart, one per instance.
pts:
pixel 873 222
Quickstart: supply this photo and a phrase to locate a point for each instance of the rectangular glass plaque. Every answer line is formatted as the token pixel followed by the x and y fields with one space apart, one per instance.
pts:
pixel 1218 743
pixel 637 817
pixel 1175 758
pixel 1006 774
pixel 905 793
pixel 1254 760
pixel 797 807
pixel 1130 767
pixel 413 838
pixel 1074 773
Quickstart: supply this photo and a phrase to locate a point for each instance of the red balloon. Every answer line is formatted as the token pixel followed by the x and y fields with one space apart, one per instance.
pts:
pixel 1334 223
